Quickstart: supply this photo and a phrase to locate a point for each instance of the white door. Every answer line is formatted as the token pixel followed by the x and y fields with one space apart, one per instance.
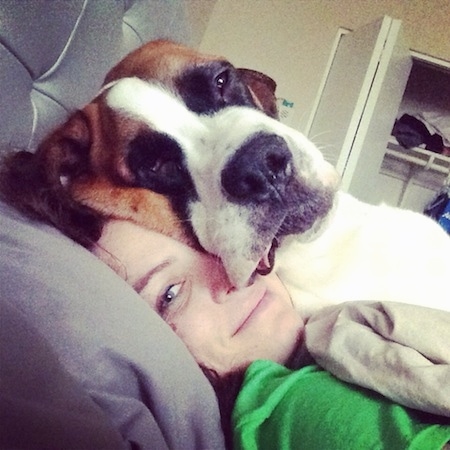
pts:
pixel 359 102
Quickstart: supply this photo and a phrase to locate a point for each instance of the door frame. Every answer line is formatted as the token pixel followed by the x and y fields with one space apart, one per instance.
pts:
pixel 340 33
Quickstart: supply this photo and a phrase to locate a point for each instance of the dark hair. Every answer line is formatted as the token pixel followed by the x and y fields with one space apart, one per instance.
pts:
pixel 227 388
pixel 25 185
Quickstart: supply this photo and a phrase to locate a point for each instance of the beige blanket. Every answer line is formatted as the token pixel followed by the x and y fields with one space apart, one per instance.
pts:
pixel 399 350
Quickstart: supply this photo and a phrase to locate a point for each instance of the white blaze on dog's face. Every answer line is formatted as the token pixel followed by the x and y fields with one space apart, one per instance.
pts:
pixel 158 108
pixel 258 180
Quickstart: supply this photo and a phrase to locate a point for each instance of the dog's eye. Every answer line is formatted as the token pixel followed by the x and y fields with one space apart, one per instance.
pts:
pixel 221 81
pixel 168 168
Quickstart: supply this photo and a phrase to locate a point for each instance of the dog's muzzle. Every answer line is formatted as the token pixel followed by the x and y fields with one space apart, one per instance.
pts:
pixel 258 174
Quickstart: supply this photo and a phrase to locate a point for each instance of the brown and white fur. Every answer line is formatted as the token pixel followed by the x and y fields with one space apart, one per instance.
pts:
pixel 80 175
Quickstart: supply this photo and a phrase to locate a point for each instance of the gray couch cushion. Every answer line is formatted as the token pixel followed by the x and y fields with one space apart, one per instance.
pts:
pixel 55 54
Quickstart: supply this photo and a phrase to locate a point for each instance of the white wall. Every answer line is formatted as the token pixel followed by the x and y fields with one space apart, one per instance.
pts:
pixel 291 40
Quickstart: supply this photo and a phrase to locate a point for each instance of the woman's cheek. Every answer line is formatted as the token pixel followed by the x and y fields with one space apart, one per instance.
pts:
pixel 200 332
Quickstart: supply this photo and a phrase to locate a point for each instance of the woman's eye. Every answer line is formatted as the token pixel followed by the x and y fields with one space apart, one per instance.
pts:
pixel 169 295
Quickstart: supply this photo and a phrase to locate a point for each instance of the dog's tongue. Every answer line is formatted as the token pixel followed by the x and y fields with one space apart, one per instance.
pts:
pixel 266 263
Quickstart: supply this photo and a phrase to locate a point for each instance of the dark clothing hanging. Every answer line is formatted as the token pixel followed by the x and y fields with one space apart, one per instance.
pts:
pixel 412 132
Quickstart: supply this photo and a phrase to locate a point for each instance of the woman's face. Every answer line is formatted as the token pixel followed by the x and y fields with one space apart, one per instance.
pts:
pixel 222 327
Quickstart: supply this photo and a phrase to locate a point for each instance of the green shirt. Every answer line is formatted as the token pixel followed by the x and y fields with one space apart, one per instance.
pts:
pixel 278 408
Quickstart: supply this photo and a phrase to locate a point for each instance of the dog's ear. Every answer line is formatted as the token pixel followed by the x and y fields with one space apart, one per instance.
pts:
pixel 65 152
pixel 262 88
pixel 35 182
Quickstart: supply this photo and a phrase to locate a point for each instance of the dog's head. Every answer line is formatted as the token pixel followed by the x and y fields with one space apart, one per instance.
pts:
pixel 239 179
pixel 91 165
pixel 259 182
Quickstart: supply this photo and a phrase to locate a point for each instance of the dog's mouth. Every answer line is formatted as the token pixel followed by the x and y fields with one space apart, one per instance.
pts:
pixel 267 262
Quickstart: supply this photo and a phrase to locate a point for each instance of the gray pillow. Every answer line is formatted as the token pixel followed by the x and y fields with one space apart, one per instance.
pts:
pixel 77 338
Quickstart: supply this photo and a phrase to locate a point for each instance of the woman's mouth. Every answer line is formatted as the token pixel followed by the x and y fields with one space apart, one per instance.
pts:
pixel 251 314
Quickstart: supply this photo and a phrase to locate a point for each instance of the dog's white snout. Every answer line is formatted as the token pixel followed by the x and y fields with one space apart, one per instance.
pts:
pixel 259 169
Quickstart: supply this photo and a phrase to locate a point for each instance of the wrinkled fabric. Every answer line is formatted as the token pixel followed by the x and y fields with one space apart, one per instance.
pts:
pixel 399 350
pixel 41 405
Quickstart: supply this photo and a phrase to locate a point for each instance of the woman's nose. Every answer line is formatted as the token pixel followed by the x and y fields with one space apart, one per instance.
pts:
pixel 238 296
pixel 222 289
pixel 213 277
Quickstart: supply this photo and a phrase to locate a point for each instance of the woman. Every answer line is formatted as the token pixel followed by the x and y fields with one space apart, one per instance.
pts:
pixel 228 329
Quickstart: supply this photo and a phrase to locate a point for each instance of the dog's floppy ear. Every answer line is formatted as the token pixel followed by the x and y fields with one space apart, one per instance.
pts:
pixel 262 88
pixel 34 182
pixel 65 152
pixel 59 184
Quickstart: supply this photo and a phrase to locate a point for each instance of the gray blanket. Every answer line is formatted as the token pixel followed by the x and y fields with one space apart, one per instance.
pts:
pixel 399 350
pixel 84 362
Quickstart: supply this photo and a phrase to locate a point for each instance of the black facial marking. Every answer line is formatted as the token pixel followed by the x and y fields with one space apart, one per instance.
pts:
pixel 209 87
pixel 157 163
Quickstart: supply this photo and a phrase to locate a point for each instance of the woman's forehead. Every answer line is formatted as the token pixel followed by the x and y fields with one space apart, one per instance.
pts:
pixel 124 235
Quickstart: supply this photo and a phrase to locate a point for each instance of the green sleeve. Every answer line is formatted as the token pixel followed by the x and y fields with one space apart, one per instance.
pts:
pixel 310 409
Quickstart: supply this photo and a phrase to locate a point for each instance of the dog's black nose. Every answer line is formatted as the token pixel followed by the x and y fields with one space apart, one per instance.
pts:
pixel 259 169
